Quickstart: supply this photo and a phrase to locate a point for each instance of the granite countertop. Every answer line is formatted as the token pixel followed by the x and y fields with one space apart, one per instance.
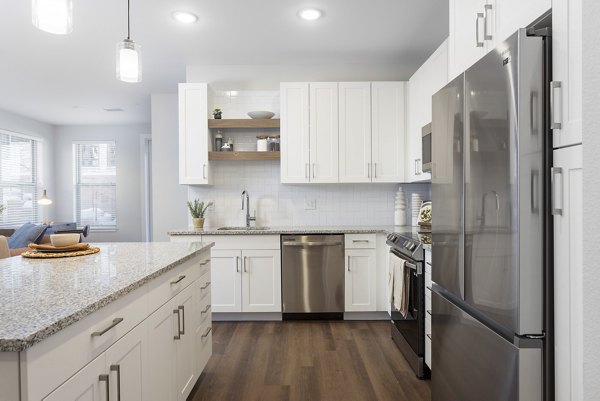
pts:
pixel 40 297
pixel 294 230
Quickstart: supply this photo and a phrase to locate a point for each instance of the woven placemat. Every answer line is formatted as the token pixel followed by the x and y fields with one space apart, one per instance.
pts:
pixel 49 255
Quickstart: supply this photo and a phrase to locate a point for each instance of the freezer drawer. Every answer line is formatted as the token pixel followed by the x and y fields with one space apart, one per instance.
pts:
pixel 473 363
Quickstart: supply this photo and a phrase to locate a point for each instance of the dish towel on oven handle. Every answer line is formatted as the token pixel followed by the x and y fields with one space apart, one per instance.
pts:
pixel 399 285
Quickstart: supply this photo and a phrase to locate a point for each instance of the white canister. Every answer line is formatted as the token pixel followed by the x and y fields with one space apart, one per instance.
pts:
pixel 261 143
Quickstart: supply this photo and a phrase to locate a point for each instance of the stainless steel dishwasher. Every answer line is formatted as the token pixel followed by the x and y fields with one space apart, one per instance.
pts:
pixel 312 276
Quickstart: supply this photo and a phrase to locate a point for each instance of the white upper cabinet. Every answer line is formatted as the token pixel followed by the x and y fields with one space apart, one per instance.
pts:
pixel 355 131
pixel 426 81
pixel 295 148
pixel 567 72
pixel 324 132
pixel 194 168
pixel 388 110
pixel 511 15
pixel 470 25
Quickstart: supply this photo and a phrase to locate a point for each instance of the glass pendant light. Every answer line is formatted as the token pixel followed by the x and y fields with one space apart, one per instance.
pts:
pixel 44 200
pixel 54 16
pixel 129 57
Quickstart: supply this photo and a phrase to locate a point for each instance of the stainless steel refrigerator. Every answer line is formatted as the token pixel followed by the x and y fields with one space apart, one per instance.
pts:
pixel 488 176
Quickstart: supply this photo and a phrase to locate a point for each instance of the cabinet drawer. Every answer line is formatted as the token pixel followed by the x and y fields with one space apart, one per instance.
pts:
pixel 165 287
pixel 357 241
pixel 427 303
pixel 428 282
pixel 59 356
pixel 428 351
pixel 427 324
pixel 205 287
pixel 258 241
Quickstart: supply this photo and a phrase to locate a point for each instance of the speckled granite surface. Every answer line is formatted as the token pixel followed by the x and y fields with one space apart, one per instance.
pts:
pixel 40 297
pixel 294 230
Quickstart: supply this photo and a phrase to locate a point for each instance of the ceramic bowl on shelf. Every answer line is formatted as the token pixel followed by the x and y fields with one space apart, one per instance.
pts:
pixel 261 114
pixel 66 239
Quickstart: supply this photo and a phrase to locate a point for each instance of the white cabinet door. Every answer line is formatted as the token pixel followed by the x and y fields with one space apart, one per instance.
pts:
pixel 360 280
pixel 125 362
pixel 324 132
pixel 567 40
pixel 295 146
pixel 261 291
pixel 466 39
pixel 194 168
pixel 511 15
pixel 568 288
pixel 355 131
pixel 226 280
pixel 425 82
pixel 89 384
pixel 202 324
pixel 184 345
pixel 388 111
pixel 162 330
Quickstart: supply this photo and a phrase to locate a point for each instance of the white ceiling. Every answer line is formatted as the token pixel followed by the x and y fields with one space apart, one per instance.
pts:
pixel 70 79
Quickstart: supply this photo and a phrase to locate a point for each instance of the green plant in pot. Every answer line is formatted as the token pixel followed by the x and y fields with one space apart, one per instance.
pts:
pixel 197 210
pixel 217 114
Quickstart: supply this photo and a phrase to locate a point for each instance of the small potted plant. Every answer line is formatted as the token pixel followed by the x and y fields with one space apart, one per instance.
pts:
pixel 217 114
pixel 197 210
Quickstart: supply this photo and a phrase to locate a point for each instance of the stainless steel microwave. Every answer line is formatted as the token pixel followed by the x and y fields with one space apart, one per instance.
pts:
pixel 426 148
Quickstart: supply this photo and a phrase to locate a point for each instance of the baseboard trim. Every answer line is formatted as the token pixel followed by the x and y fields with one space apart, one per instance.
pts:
pixel 246 316
pixel 366 316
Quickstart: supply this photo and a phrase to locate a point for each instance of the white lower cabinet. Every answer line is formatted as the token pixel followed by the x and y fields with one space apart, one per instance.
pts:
pixel 89 384
pixel 162 329
pixel 125 366
pixel 185 376
pixel 361 273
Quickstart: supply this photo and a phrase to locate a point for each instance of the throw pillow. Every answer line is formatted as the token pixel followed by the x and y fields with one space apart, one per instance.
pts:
pixel 26 234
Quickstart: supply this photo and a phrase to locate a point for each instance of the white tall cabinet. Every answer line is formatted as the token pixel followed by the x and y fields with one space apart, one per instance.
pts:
pixel 295 135
pixel 324 134
pixel 194 168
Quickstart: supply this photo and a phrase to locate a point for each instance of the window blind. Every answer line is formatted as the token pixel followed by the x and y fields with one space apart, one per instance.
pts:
pixel 19 191
pixel 95 184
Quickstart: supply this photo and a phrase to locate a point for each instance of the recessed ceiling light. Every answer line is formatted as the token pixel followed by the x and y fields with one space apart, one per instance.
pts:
pixel 310 14
pixel 184 17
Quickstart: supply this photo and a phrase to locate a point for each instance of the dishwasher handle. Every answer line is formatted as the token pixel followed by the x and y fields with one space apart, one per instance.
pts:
pixel 312 243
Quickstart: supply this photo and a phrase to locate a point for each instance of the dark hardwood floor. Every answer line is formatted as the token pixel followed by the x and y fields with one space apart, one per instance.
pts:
pixel 307 361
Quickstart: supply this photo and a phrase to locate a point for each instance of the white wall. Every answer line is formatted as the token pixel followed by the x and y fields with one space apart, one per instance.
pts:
pixel 591 185
pixel 168 197
pixel 46 133
pixel 129 177
pixel 268 77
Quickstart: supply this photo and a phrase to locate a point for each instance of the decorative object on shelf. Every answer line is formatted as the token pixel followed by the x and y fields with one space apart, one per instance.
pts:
pixel 261 114
pixel 416 201
pixel 424 220
pixel 53 16
pixel 400 208
pixel 44 200
pixel 274 142
pixel 226 147
pixel 197 209
pixel 129 57
pixel 218 141
pixel 230 142
pixel 261 143
pixel 217 113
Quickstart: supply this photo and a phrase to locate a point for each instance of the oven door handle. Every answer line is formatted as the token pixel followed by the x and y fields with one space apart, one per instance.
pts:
pixel 410 265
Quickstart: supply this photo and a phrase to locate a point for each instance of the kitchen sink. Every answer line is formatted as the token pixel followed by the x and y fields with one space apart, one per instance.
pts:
pixel 242 228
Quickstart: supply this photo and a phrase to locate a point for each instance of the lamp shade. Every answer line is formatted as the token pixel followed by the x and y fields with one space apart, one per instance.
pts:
pixel 53 16
pixel 44 200
pixel 129 61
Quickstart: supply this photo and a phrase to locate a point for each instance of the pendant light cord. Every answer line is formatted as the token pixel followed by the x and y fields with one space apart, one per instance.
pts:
pixel 128 22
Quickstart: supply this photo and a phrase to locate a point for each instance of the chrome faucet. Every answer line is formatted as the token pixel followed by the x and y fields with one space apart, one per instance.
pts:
pixel 248 218
pixel 482 217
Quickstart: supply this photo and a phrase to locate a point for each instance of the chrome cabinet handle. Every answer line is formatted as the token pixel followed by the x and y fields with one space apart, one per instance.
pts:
pixel 417 170
pixel 368 170
pixel 533 203
pixel 348 263
pixel 205 309
pixel 375 170
pixel 314 170
pixel 245 261
pixel 237 264
pixel 113 324
pixel 360 240
pixel 307 170
pixel 106 378
pixel 117 368
pixel 204 171
pixel 205 286
pixel 555 106
pixel 182 308
pixel 178 280
pixel 207 332
pixel 557 210
pixel 205 262
pixel 478 43
pixel 178 335
pixel 486 9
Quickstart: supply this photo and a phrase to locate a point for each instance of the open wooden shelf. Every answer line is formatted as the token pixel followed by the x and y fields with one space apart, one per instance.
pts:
pixel 244 155
pixel 244 123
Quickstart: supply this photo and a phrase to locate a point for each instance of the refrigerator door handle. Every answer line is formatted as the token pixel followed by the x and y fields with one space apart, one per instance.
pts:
pixel 478 42
pixel 555 105
pixel 557 210
pixel 535 174
pixel 487 9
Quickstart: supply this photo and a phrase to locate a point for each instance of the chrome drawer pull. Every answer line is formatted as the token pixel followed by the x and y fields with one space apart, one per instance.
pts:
pixel 205 285
pixel 105 378
pixel 178 335
pixel 205 262
pixel 360 240
pixel 205 309
pixel 117 368
pixel 113 324
pixel 207 332
pixel 178 280
pixel 182 308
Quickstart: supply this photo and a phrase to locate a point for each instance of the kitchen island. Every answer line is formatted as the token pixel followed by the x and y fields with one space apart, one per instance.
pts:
pixel 107 324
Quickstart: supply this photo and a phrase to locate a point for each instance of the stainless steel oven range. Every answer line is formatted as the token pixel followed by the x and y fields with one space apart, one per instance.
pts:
pixel 408 331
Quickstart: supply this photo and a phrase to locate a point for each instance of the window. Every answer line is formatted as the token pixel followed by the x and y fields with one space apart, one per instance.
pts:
pixel 19 159
pixel 94 164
